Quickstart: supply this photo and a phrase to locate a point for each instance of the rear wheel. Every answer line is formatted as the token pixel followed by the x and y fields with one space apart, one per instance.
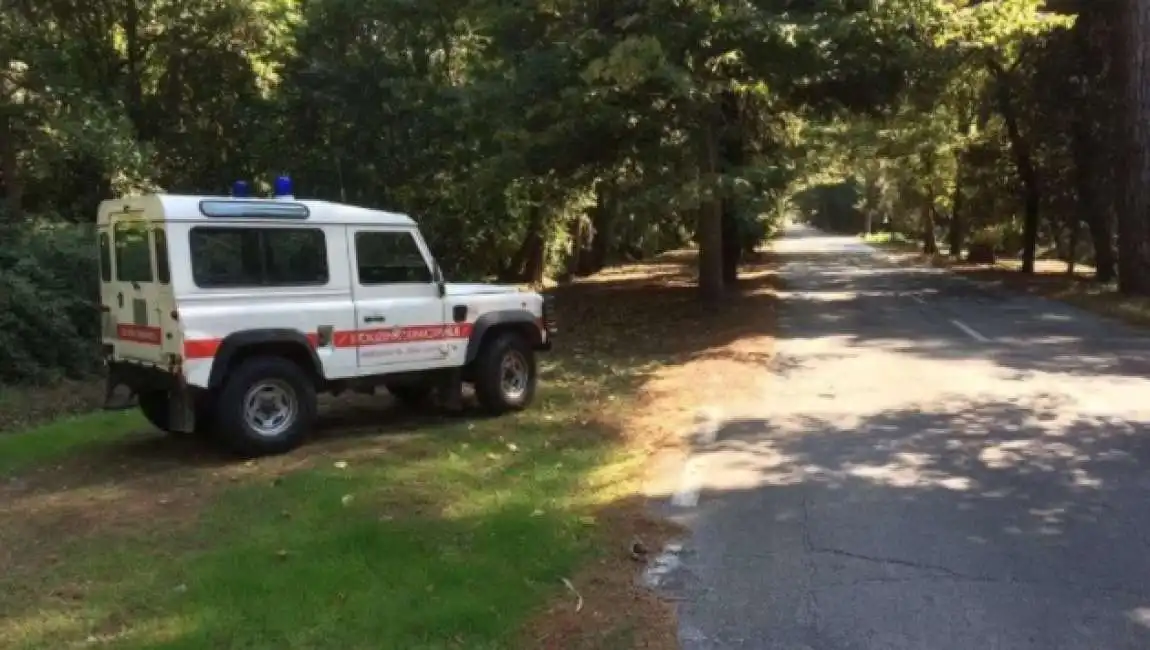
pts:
pixel 505 374
pixel 154 404
pixel 267 406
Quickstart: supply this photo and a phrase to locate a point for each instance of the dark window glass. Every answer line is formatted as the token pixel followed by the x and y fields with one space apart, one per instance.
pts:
pixel 253 257
pixel 133 253
pixel 105 257
pixel 160 239
pixel 389 258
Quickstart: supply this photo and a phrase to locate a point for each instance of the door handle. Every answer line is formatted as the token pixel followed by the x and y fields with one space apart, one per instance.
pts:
pixel 374 319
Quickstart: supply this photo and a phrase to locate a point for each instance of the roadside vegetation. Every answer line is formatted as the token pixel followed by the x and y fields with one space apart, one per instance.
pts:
pixel 568 144
pixel 1051 279
pixel 393 528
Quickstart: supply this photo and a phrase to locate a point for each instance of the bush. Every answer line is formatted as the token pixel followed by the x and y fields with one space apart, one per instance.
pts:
pixel 49 286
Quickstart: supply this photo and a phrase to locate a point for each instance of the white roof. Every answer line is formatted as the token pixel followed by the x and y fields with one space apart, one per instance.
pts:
pixel 184 207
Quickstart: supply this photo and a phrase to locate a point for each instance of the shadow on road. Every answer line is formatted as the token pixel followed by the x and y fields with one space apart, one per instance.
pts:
pixel 1050 509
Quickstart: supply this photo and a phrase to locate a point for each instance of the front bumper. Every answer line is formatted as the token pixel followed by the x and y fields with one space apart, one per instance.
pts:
pixel 548 323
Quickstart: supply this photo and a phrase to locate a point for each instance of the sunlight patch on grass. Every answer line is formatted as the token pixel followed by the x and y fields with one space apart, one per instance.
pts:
pixel 453 539
pixel 445 533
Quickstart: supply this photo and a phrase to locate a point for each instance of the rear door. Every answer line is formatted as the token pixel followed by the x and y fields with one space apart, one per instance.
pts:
pixel 136 290
pixel 399 312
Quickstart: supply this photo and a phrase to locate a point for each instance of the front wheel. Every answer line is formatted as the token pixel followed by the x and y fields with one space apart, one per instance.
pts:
pixel 267 406
pixel 505 374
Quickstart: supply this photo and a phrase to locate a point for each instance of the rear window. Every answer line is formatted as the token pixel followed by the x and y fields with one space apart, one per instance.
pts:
pixel 257 257
pixel 105 257
pixel 133 252
pixel 160 245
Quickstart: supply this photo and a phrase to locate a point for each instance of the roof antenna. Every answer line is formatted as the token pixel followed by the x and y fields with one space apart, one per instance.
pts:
pixel 339 176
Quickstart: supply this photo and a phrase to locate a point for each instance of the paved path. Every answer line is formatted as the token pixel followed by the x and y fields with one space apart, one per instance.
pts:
pixel 939 465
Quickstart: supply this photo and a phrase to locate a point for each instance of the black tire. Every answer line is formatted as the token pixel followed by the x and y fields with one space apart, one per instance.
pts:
pixel 493 393
pixel 155 407
pixel 275 374
pixel 412 395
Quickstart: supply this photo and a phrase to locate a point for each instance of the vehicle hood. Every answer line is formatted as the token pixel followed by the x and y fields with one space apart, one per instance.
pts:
pixel 460 289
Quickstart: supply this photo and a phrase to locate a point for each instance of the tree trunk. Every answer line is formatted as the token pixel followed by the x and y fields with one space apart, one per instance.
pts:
pixel 710 223
pixel 731 159
pixel 536 249
pixel 1072 255
pixel 527 263
pixel 732 246
pixel 10 171
pixel 929 244
pixel 1134 177
pixel 575 234
pixel 957 232
pixel 1025 165
pixel 602 218
pixel 1092 211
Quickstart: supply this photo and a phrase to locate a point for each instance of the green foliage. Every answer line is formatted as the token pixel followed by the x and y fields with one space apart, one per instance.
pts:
pixel 49 286
pixel 530 140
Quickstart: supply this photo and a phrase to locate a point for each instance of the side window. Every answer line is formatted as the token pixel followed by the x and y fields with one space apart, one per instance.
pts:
pixel 105 257
pixel 160 246
pixel 295 256
pixel 389 258
pixel 133 253
pixel 254 257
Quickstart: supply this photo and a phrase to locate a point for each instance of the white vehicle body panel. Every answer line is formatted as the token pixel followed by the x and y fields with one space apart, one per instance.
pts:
pixel 356 329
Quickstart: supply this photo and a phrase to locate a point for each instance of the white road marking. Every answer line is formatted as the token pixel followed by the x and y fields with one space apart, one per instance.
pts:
pixel 687 496
pixel 969 331
pixel 917 298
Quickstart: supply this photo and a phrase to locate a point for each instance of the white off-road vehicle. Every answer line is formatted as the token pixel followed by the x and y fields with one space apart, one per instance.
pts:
pixel 226 315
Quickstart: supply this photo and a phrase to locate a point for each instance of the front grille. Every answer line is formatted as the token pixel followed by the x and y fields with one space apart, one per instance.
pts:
pixel 550 324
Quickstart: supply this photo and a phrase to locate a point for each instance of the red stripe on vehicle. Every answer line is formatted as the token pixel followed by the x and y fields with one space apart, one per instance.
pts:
pixel 201 348
pixel 139 334
pixel 207 348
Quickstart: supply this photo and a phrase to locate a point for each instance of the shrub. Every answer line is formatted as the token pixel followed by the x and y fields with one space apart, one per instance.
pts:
pixel 49 286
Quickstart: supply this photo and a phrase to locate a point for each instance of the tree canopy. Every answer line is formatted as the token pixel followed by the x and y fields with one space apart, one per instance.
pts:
pixel 550 139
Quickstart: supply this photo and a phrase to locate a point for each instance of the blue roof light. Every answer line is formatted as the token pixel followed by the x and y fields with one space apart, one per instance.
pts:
pixel 241 190
pixel 283 188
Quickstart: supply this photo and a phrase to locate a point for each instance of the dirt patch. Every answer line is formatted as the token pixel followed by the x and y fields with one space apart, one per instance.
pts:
pixel 646 357
pixel 604 607
pixel 711 360
pixel 22 407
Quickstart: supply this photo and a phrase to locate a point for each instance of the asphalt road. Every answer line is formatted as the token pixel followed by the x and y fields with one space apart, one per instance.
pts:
pixel 938 465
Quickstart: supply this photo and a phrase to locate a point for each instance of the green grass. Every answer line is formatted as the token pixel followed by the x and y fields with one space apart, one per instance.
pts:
pixel 449 536
pixel 387 532
pixel 68 436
